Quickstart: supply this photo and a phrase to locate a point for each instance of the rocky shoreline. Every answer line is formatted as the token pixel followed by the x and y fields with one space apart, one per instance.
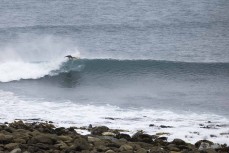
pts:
pixel 20 137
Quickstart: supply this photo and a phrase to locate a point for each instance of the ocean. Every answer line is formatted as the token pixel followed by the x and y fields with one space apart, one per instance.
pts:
pixel 143 65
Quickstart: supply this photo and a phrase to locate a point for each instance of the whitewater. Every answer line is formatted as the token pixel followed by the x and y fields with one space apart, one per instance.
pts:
pixel 143 65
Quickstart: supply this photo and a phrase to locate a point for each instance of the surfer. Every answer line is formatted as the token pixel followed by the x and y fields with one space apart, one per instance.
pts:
pixel 70 57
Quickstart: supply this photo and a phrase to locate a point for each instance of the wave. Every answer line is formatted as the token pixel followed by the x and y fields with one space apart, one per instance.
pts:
pixel 10 71
pixel 139 66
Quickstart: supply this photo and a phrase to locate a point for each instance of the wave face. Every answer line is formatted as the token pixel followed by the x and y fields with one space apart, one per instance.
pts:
pixel 143 66
pixel 16 70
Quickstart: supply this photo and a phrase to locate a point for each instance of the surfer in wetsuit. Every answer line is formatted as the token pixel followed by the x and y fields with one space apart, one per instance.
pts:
pixel 70 57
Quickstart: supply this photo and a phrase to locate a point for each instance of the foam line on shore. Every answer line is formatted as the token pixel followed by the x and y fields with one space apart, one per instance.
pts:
pixel 188 126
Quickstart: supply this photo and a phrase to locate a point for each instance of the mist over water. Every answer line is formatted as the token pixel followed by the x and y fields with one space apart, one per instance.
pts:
pixel 142 61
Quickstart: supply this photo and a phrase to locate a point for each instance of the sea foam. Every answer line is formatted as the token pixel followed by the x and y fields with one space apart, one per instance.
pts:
pixel 188 126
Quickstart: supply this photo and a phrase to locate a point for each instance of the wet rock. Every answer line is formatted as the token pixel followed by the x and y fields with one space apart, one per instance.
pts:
pixel 93 139
pixel 33 149
pixel 109 151
pixel 43 146
pixel 102 148
pixel 210 150
pixel 108 134
pixel 61 145
pixel 65 138
pixel 141 137
pixel 141 150
pixel 164 126
pixel 4 139
pixel 162 133
pixel 158 149
pixel 9 129
pixel 19 141
pixel 47 139
pixel 17 150
pixel 124 136
pixel 80 143
pixel 223 149
pixel 99 130
pixel 109 118
pixel 11 146
pixel 126 147
pixel 178 142
pixel 173 147
pixel 60 131
pixel 19 125
pixel 205 144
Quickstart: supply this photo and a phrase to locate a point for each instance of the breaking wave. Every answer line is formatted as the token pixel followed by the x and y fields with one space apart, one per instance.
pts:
pixel 17 70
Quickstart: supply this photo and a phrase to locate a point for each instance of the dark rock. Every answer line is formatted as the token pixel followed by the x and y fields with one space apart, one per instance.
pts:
pixel 124 136
pixel 44 138
pixel 109 151
pixel 198 143
pixel 90 126
pixel 43 146
pixel 9 129
pixel 151 125
pixel 141 137
pixel 102 148
pixel 141 150
pixel 60 131
pixel 212 135
pixel 178 142
pixel 18 140
pixel 126 147
pixel 109 118
pixel 162 138
pixel 32 149
pixel 81 143
pixel 4 139
pixel 11 146
pixel 99 130
pixel 164 126
pixel 223 149
pixel 17 150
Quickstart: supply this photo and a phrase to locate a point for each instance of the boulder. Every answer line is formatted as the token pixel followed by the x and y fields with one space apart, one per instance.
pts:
pixel 80 143
pixel 99 130
pixel 43 138
pixel 124 136
pixel 126 147
pixel 203 144
pixel 61 145
pixel 109 151
pixel 108 134
pixel 65 138
pixel 93 139
pixel 141 137
pixel 17 150
pixel 141 150
pixel 19 140
pixel 4 139
pixel 178 142
pixel 11 146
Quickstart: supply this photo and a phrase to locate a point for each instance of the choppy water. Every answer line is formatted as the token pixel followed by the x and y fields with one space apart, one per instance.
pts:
pixel 141 62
